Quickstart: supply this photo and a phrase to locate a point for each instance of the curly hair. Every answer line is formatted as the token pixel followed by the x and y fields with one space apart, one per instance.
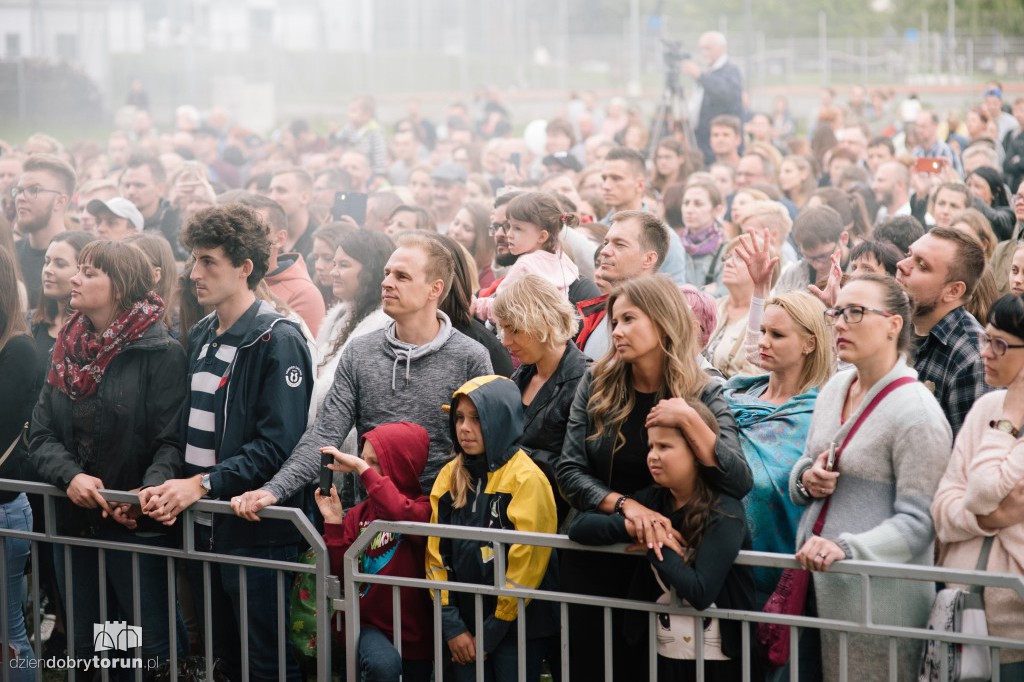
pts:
pixel 239 230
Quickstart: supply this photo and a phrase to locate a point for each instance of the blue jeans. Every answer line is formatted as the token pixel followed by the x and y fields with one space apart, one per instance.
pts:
pixel 502 665
pixel 379 660
pixel 16 515
pixel 261 600
pixel 84 583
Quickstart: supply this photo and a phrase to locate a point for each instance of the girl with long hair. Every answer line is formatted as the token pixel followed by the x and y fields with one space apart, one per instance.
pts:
pixel 53 307
pixel 643 380
pixel 491 483
pixel 471 228
pixel 116 381
pixel 19 390
pixel 702 571
pixel 356 278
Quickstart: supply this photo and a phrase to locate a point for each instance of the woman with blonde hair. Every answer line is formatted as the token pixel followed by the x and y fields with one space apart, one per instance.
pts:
pixel 794 347
pixel 643 380
pixel 536 325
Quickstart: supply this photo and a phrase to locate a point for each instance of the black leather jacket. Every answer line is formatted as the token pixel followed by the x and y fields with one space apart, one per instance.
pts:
pixel 548 413
pixel 585 491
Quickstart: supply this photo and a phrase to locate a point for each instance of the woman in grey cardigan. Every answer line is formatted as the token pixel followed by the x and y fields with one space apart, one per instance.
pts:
pixel 883 484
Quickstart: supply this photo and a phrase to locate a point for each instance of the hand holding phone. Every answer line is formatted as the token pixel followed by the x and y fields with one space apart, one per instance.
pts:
pixel 326 475
pixel 930 164
pixel 831 463
pixel 351 204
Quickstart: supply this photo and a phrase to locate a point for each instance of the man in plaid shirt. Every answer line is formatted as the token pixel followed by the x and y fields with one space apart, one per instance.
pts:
pixel 939 276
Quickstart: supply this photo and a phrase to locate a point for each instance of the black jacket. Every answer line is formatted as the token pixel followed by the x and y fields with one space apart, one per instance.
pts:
pixel 583 489
pixel 140 394
pixel 19 391
pixel 500 360
pixel 548 413
pixel 259 419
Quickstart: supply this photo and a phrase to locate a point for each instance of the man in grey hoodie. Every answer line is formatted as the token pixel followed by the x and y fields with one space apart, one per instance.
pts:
pixel 403 372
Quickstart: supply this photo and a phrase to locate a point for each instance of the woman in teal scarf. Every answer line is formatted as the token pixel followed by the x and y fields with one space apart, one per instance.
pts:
pixel 773 412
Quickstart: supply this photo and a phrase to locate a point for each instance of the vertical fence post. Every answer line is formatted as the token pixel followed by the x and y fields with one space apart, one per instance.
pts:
pixel 823 49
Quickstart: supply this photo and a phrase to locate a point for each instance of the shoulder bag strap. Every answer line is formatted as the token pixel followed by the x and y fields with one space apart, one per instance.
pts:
pixel 902 381
pixel 13 444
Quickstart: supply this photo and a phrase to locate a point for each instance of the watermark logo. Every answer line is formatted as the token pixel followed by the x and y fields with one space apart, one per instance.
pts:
pixel 116 636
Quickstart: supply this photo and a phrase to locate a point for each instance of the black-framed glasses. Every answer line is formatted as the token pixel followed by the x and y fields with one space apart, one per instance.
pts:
pixel 852 314
pixel 998 346
pixel 495 228
pixel 32 191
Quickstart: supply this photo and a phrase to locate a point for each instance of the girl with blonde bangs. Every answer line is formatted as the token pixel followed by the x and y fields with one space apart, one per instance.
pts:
pixel 644 381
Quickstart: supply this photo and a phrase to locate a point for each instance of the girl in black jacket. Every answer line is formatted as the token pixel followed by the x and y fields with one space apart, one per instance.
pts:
pixel 694 560
pixel 116 381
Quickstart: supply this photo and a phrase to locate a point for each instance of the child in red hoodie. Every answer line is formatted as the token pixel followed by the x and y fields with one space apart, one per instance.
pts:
pixel 393 458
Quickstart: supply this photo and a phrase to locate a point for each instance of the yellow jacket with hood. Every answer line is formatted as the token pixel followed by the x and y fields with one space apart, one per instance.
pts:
pixel 507 491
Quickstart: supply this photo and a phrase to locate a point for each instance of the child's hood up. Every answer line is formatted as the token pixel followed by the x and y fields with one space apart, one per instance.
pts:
pixel 499 405
pixel 401 449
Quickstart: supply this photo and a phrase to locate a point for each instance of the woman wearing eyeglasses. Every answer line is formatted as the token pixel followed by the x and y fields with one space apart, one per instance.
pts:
pixel 879 491
pixel 982 493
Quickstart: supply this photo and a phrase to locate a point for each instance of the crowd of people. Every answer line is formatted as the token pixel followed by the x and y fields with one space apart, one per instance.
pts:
pixel 660 343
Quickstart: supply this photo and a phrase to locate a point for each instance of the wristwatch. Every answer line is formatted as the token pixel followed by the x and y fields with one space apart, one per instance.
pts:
pixel 204 481
pixel 1004 425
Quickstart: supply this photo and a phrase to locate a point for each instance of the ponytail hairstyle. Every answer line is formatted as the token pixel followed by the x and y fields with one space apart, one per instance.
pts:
pixel 543 210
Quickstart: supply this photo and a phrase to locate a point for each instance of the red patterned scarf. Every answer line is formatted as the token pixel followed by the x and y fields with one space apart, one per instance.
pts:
pixel 81 356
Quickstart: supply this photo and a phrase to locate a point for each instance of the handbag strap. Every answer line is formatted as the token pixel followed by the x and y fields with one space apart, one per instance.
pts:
pixel 879 397
pixel 986 549
pixel 10 449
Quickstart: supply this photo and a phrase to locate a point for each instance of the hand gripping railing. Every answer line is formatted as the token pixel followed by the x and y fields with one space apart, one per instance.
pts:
pixel 500 539
pixel 321 571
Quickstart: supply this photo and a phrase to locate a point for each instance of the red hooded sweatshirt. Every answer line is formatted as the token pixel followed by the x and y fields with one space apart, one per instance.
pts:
pixel 394 496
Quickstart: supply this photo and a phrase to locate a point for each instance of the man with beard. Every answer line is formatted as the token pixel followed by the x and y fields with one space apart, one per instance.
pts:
pixel 41 198
pixel 892 190
pixel 939 276
pixel 582 289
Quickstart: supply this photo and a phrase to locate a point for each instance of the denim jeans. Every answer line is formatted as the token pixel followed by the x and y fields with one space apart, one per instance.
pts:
pixel 379 660
pixel 225 600
pixel 16 515
pixel 502 665
pixel 84 583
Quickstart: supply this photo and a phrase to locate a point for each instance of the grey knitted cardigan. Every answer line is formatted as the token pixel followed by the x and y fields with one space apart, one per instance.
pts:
pixel 889 472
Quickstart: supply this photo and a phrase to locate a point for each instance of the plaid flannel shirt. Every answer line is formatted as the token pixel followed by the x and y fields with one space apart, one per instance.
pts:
pixel 948 361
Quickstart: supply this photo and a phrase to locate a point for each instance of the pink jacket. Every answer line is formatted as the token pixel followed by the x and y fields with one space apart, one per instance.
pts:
pixel 985 466
pixel 556 268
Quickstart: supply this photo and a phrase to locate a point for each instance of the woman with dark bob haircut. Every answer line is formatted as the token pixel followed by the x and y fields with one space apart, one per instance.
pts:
pixel 116 380
pixel 980 500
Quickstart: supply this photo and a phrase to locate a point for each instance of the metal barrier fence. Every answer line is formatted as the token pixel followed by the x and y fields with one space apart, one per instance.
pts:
pixel 188 551
pixel 500 539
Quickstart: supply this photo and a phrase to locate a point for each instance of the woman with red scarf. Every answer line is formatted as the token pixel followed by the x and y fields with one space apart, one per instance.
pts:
pixel 116 380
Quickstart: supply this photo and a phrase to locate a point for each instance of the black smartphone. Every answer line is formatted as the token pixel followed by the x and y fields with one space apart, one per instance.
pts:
pixel 326 475
pixel 352 204
pixel 515 158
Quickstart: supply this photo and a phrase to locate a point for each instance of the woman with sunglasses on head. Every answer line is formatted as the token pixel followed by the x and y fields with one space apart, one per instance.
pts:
pixel 980 500
pixel 876 493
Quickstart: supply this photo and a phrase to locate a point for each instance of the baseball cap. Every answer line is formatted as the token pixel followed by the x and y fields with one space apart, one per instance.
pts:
pixel 120 207
pixel 449 172
pixel 994 92
pixel 564 160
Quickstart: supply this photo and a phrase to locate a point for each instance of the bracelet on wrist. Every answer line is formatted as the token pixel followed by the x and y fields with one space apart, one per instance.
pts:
pixel 619 504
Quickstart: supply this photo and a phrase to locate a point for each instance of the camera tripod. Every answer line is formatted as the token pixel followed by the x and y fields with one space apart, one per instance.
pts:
pixel 672 116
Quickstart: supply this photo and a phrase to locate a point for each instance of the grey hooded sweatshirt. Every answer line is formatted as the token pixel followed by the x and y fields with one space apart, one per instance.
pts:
pixel 381 380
